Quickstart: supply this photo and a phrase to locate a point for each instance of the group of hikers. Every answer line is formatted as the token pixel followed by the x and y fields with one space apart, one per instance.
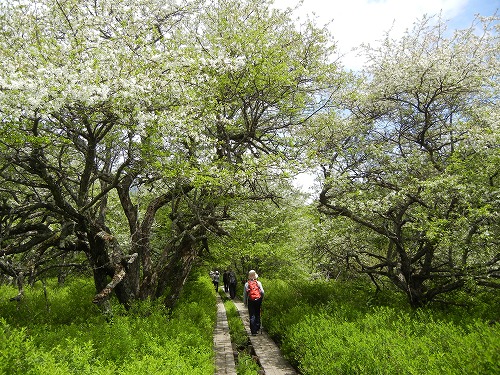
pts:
pixel 229 280
pixel 253 292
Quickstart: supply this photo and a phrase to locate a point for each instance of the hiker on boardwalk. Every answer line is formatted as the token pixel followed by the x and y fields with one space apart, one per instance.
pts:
pixel 215 279
pixel 232 284
pixel 225 280
pixel 252 298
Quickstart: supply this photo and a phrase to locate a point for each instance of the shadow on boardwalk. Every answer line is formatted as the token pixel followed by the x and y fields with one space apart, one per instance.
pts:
pixel 268 353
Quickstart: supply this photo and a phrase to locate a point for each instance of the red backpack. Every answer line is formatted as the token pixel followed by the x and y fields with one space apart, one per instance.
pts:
pixel 253 290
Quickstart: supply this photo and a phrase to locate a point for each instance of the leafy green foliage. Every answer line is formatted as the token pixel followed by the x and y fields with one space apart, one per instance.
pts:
pixel 78 340
pixel 387 342
pixel 329 328
pixel 246 365
pixel 264 236
pixel 52 304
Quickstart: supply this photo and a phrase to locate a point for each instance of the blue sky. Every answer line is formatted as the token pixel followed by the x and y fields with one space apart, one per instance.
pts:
pixel 353 22
pixel 483 7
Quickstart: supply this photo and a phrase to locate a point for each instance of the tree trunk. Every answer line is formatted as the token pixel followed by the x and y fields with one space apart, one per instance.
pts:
pixel 99 261
pixel 109 262
pixel 172 277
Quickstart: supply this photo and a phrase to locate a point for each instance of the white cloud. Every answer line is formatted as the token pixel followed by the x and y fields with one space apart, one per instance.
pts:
pixel 354 22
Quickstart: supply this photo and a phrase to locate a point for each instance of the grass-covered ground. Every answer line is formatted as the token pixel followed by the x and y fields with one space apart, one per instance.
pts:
pixel 323 328
pixel 341 328
pixel 63 333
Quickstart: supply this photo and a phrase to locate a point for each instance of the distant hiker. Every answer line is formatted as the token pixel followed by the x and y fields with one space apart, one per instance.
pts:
pixel 232 284
pixel 216 280
pixel 252 297
pixel 225 280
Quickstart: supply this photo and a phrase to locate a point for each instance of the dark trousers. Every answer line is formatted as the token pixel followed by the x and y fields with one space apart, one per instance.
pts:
pixel 254 313
pixel 232 290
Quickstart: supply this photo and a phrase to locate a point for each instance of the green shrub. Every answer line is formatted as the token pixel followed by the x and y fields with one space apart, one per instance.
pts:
pixel 54 304
pixel 15 345
pixel 339 328
pixel 383 342
pixel 44 334
pixel 246 365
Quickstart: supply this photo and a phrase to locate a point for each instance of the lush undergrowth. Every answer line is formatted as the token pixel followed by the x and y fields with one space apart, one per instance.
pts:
pixel 61 332
pixel 340 328
pixel 236 328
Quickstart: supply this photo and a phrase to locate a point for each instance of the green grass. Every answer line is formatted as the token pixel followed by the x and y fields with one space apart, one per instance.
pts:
pixel 323 328
pixel 65 334
pixel 340 328
pixel 246 365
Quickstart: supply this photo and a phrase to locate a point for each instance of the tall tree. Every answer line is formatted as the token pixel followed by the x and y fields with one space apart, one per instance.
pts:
pixel 415 160
pixel 80 83
pixel 173 110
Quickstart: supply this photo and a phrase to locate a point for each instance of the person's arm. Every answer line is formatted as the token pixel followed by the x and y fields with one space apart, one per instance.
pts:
pixel 261 289
pixel 245 295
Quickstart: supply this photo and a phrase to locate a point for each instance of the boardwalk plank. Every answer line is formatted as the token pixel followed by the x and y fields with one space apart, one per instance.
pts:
pixel 270 357
pixel 224 359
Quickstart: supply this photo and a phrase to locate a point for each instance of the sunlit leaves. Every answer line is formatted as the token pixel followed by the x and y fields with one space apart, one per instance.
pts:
pixel 415 158
pixel 180 109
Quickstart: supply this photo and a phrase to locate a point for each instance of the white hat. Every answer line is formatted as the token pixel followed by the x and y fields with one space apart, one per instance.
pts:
pixel 252 275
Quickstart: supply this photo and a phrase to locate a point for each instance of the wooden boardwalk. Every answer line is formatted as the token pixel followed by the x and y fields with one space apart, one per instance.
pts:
pixel 224 359
pixel 268 353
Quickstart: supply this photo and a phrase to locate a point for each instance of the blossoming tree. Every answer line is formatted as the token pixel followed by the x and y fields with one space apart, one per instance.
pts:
pixel 413 161
pixel 147 115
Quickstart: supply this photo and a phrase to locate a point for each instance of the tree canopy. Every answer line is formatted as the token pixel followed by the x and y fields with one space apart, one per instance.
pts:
pixel 414 159
pixel 122 117
pixel 133 133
